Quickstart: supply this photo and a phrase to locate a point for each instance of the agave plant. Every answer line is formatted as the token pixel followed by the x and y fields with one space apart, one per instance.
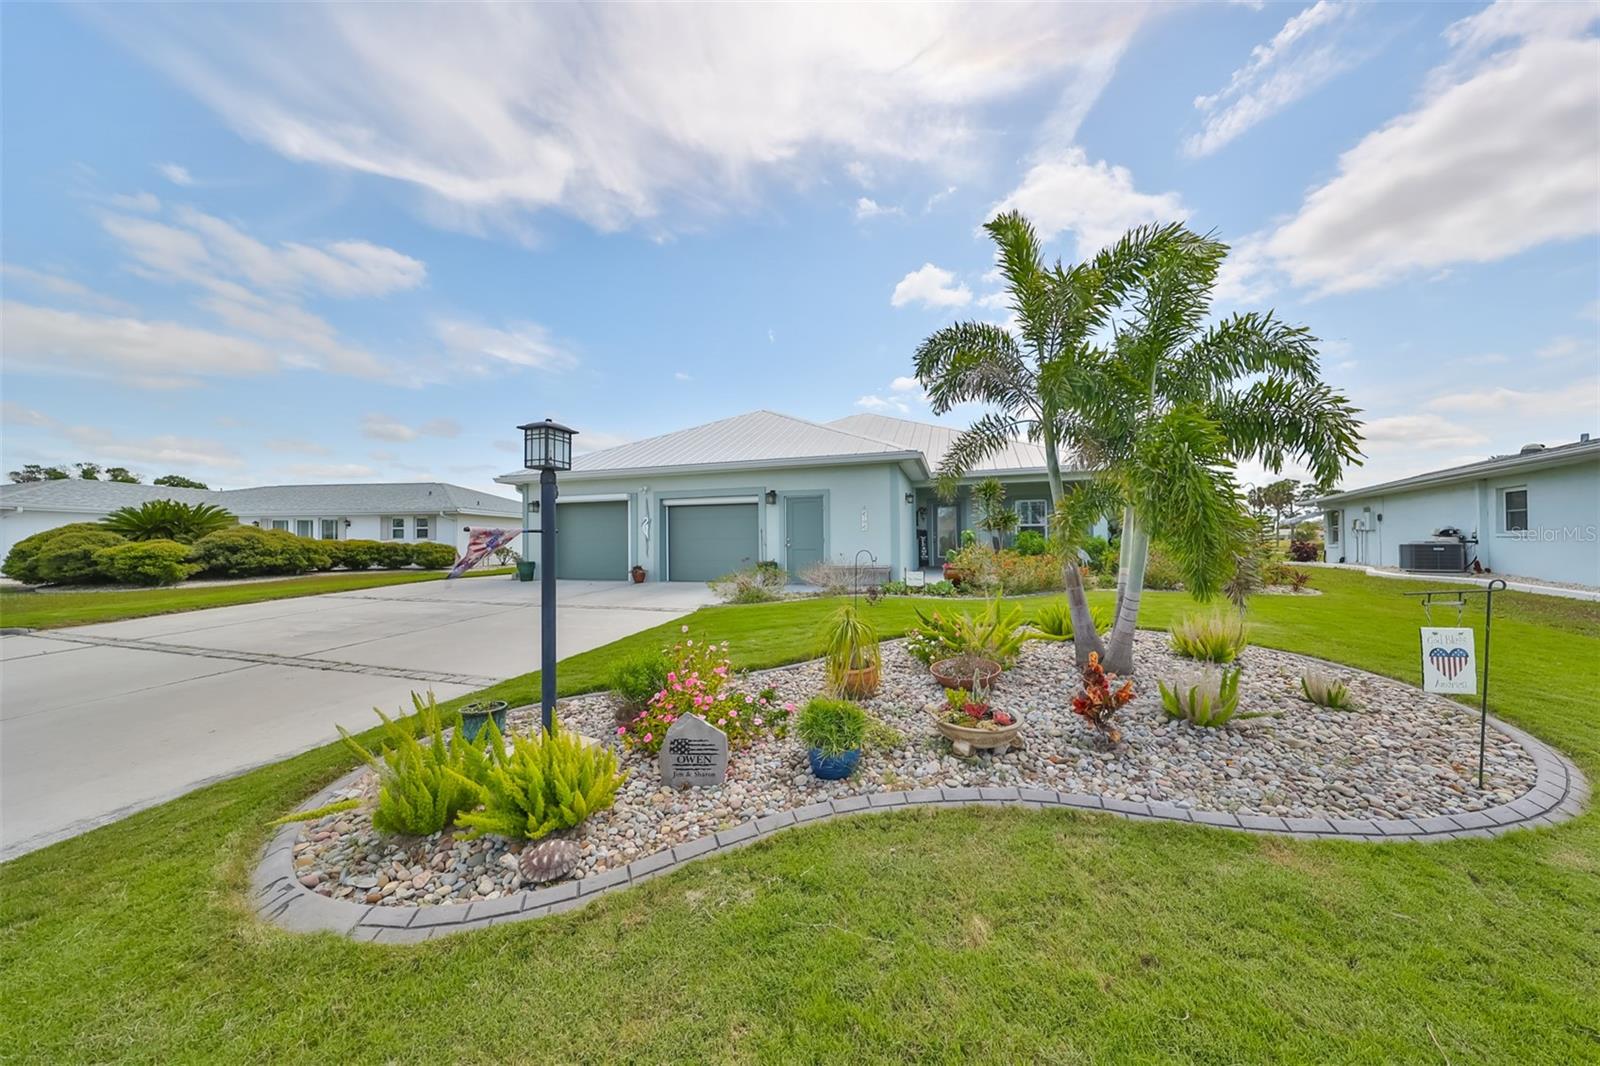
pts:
pixel 1326 691
pixel 1210 700
pixel 169 520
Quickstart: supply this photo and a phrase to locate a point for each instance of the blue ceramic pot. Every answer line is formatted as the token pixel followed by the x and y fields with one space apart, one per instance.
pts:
pixel 474 716
pixel 834 767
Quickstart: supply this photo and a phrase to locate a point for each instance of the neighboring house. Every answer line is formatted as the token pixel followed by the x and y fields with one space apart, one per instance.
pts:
pixel 1534 514
pixel 702 502
pixel 429 510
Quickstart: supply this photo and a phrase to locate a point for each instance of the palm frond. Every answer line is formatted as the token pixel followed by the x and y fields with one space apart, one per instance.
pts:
pixel 1277 419
pixel 989 435
pixel 972 362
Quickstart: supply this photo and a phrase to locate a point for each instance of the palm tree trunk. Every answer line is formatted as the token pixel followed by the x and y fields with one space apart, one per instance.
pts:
pixel 1119 648
pixel 1084 637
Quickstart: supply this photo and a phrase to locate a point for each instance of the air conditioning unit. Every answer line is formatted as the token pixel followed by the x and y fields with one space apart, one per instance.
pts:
pixel 1434 556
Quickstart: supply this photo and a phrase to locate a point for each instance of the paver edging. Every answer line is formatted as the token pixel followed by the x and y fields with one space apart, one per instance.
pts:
pixel 1559 794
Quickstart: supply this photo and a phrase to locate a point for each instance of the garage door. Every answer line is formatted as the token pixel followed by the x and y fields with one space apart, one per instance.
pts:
pixel 705 541
pixel 592 541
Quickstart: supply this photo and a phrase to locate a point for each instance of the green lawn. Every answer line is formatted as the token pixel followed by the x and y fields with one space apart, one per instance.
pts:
pixel 52 610
pixel 982 935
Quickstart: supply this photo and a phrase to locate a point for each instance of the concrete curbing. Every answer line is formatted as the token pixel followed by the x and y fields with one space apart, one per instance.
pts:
pixel 1559 794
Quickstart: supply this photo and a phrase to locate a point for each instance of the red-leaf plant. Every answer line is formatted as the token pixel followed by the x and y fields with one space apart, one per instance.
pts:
pixel 1096 702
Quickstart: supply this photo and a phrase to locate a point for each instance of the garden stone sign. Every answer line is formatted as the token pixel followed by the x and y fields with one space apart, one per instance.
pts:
pixel 695 753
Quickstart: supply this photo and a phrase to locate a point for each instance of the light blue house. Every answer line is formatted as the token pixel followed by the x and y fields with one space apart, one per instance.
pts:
pixel 1535 514
pixel 702 502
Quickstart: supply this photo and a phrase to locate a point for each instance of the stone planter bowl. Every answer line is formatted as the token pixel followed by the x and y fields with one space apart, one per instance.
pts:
pixel 964 739
pixel 960 671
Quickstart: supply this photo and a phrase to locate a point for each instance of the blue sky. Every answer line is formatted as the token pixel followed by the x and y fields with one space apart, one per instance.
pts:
pixel 293 243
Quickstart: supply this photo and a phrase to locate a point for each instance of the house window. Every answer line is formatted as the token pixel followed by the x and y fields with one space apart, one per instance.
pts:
pixel 1334 518
pixel 424 531
pixel 281 523
pixel 1514 509
pixel 330 529
pixel 302 527
pixel 1032 514
pixel 397 529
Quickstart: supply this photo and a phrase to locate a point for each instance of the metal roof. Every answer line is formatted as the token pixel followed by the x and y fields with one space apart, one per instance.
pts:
pixel 756 439
pixel 933 441
pixel 1561 454
pixel 99 497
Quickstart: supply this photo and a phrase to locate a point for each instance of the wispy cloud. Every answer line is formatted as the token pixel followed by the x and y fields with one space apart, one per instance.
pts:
pixel 176 174
pixel 868 208
pixel 386 427
pixel 930 286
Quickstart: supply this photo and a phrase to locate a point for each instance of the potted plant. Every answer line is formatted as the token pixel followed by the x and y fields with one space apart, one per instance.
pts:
pixel 638 574
pixel 833 732
pixel 850 645
pixel 476 714
pixel 969 721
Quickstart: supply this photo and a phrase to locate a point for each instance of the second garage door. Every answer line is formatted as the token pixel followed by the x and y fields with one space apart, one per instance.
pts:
pixel 592 541
pixel 705 541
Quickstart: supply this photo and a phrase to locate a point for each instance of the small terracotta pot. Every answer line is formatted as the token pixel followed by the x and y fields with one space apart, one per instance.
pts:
pixel 638 574
pixel 859 684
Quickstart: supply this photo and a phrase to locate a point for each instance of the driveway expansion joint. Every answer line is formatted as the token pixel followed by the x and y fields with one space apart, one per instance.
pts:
pixel 1560 794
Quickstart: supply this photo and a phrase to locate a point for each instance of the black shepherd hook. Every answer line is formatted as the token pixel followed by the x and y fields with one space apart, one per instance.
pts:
pixel 855 578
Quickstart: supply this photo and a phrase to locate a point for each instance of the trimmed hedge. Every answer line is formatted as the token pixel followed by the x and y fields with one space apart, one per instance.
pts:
pixel 69 559
pixel 431 555
pixel 21 561
pixel 146 562
pixel 245 551
pixel 393 554
pixel 353 554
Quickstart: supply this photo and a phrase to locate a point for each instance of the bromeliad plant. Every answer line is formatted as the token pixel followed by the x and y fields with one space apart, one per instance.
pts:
pixel 550 781
pixel 1212 700
pixel 1210 638
pixel 1326 691
pixel 424 785
pixel 997 634
pixel 699 681
pixel 973 710
pixel 1096 702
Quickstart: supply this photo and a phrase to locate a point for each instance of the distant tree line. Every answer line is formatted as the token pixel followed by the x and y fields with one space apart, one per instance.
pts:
pixel 96 472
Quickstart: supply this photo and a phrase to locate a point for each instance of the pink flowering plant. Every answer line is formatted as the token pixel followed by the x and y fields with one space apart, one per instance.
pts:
pixel 701 682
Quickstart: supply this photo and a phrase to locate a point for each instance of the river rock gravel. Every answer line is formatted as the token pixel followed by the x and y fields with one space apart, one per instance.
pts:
pixel 1402 754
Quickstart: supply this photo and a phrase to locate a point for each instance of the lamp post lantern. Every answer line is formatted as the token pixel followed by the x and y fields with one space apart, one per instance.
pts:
pixel 547 447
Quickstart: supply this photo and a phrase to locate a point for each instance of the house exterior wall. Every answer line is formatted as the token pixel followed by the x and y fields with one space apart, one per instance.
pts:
pixel 1561 543
pixel 16 525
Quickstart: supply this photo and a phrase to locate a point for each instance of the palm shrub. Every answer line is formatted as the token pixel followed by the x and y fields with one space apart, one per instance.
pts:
pixel 70 559
pixel 245 551
pixel 551 781
pixel 431 555
pixel 833 727
pixel 146 562
pixel 850 643
pixel 1053 620
pixel 424 784
pixel 169 520
pixel 1326 691
pixel 1213 638
pixel 21 563
pixel 1212 700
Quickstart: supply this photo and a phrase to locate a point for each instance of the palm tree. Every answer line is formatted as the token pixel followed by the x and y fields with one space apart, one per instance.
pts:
pixel 1178 403
pixel 169 520
pixel 994 517
pixel 1034 380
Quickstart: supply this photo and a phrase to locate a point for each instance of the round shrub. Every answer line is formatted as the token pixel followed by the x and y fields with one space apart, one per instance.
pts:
pixel 1030 542
pixel 392 555
pixel 20 562
pixel 69 559
pixel 354 554
pixel 245 551
pixel 146 562
pixel 431 555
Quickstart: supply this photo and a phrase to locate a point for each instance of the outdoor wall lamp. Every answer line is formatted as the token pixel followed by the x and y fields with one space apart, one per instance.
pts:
pixel 547 447
pixel 911 497
pixel 772 495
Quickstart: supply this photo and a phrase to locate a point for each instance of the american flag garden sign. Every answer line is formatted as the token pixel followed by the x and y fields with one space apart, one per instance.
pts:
pixel 1449 660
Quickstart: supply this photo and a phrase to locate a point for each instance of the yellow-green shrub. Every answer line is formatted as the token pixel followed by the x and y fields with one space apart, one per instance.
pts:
pixel 424 786
pixel 550 781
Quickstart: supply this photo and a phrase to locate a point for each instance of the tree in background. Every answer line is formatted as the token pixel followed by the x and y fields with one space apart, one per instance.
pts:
pixel 86 472
pixel 122 475
pixel 178 481
pixel 34 472
pixel 994 517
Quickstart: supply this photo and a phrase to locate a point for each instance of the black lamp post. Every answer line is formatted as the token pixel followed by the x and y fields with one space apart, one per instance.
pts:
pixel 547 447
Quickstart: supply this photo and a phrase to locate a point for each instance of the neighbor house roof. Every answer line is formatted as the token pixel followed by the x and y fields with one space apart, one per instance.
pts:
pixel 758 439
pixel 933 441
pixel 1532 457
pixel 98 497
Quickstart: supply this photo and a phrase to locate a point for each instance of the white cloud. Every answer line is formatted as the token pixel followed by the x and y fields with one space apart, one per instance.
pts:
pixel 139 201
pixel 1096 201
pixel 1499 157
pixel 385 427
pixel 938 198
pixel 14 414
pixel 497 108
pixel 930 286
pixel 63 287
pixel 906 384
pixel 297 446
pixel 1298 60
pixel 874 402
pixel 525 344
pixel 591 440
pixel 1565 348
pixel 866 208
pixel 995 301
pixel 1419 431
pixel 176 174
pixel 165 449
pixel 1579 397
pixel 861 173
pixel 678 375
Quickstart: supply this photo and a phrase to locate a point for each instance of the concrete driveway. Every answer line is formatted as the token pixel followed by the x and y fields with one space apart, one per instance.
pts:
pixel 99 721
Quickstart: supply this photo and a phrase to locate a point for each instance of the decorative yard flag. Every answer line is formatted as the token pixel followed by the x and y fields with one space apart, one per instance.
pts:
pixel 480 543
pixel 1449 662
